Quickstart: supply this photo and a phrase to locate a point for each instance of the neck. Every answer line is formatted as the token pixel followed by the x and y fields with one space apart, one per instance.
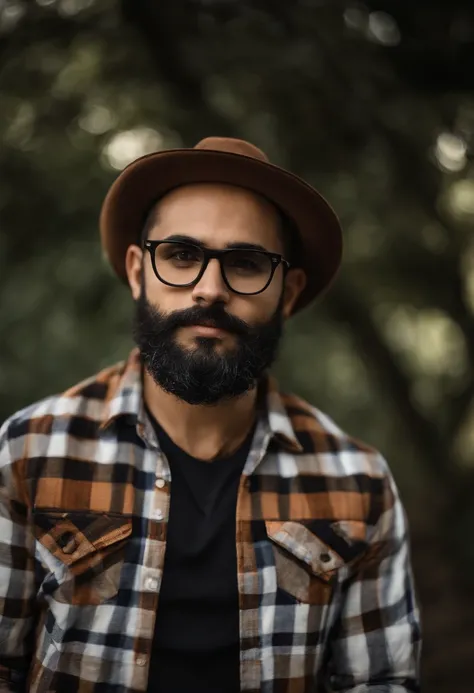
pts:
pixel 206 432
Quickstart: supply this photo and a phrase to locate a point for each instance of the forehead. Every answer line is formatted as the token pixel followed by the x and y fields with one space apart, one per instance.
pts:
pixel 217 215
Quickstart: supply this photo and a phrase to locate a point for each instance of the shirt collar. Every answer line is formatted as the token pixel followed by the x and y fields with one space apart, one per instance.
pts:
pixel 125 392
pixel 125 399
pixel 278 418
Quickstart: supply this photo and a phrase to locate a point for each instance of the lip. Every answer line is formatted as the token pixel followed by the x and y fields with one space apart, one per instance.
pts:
pixel 208 331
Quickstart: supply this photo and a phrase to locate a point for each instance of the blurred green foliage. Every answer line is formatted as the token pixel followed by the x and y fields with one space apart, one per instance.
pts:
pixel 374 105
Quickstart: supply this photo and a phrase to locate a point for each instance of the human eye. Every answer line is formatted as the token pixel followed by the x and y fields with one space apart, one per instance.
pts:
pixel 247 262
pixel 182 254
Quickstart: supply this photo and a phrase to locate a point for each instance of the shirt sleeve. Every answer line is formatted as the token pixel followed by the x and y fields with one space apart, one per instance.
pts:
pixel 17 580
pixel 375 646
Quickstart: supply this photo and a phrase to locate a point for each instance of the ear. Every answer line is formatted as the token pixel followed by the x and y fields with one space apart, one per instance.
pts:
pixel 133 266
pixel 295 282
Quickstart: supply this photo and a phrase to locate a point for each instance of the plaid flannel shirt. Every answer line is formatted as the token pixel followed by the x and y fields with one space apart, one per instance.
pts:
pixel 325 585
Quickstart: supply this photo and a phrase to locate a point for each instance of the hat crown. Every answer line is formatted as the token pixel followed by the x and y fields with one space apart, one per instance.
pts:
pixel 232 146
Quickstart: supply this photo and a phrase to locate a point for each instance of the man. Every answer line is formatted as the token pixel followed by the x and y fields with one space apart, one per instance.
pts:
pixel 175 524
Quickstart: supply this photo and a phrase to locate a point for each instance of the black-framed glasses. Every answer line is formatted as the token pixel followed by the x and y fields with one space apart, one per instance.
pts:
pixel 244 270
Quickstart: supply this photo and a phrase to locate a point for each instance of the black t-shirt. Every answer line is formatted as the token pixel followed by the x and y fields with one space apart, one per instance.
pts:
pixel 196 642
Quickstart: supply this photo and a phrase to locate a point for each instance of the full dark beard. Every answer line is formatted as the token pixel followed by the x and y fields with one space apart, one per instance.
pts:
pixel 202 375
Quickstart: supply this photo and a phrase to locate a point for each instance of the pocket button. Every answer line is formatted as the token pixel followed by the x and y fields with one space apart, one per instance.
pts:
pixel 67 542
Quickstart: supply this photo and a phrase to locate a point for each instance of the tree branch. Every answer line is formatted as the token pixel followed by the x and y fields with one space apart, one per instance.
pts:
pixel 344 307
pixel 158 24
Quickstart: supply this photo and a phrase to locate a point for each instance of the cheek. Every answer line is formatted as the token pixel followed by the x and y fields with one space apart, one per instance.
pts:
pixel 255 309
pixel 271 297
pixel 163 297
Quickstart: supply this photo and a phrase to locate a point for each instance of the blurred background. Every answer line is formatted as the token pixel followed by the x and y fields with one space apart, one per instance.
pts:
pixel 374 104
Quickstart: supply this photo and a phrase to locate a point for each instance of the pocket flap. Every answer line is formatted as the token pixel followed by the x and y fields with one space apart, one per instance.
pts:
pixel 71 537
pixel 298 540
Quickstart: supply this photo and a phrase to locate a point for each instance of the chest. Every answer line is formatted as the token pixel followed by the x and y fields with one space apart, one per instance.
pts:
pixel 102 535
pixel 291 535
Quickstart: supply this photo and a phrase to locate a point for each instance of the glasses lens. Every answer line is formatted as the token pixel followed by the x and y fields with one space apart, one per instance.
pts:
pixel 178 263
pixel 247 271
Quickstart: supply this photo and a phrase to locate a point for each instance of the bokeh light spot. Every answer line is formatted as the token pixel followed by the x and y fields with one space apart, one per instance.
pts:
pixel 126 146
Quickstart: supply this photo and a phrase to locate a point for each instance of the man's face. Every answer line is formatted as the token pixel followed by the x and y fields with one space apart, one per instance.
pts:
pixel 223 359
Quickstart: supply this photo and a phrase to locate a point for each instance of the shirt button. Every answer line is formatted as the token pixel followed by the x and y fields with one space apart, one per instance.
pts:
pixel 158 515
pixel 141 661
pixel 67 542
pixel 159 483
pixel 151 584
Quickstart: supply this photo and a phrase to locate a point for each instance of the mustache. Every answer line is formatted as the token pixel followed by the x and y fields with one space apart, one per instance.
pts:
pixel 212 316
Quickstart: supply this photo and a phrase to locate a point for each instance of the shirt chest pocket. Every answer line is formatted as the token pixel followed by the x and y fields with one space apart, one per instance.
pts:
pixel 308 556
pixel 86 553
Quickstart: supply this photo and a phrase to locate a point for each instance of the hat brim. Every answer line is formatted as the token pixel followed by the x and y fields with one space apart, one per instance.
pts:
pixel 131 196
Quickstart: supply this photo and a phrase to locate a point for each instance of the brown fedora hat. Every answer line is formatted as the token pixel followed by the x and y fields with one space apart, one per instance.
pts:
pixel 231 161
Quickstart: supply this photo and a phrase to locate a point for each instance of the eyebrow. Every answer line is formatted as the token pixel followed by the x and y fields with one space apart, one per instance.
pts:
pixel 229 246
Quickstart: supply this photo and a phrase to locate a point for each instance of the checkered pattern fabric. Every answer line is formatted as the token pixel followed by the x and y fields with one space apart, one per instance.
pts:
pixel 326 592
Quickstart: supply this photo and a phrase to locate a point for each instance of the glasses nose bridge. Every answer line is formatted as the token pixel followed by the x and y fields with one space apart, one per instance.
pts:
pixel 208 256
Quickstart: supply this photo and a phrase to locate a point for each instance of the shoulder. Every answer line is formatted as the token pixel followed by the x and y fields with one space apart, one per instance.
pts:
pixel 320 436
pixel 347 477
pixel 23 431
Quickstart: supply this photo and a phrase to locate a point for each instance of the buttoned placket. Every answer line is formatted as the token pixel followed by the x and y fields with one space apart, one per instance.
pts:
pixel 157 503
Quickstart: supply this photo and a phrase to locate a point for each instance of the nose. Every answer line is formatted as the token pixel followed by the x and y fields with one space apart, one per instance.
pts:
pixel 211 288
